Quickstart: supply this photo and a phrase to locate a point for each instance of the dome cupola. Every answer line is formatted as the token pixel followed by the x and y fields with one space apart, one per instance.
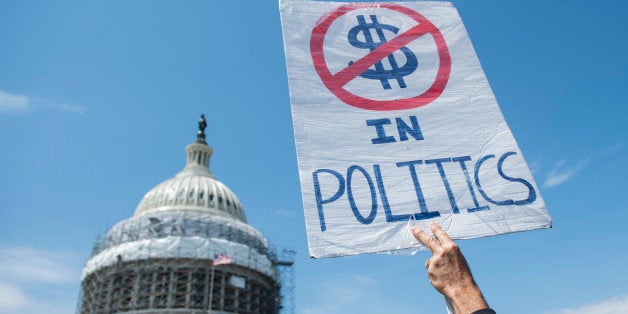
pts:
pixel 194 188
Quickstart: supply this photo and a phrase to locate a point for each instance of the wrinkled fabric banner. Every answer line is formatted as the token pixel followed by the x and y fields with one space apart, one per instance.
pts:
pixel 395 125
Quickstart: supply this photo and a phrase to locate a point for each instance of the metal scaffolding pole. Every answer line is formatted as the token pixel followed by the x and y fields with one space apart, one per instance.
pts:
pixel 211 290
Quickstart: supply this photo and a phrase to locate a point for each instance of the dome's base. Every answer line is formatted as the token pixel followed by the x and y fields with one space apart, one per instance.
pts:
pixel 178 286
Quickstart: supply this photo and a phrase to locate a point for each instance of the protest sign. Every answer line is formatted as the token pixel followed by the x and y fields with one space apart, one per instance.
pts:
pixel 395 125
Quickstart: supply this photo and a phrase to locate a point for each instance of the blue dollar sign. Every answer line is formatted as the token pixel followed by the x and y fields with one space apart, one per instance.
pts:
pixel 380 73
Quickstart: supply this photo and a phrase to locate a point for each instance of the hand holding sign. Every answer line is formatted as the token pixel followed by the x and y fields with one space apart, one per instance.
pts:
pixel 449 272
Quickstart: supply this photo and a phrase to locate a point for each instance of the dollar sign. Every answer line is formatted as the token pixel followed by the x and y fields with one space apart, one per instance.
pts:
pixel 380 73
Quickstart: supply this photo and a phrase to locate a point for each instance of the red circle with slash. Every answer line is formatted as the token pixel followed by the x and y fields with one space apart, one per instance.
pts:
pixel 336 82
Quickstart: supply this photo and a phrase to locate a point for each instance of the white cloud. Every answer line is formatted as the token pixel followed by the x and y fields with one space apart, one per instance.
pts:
pixel 27 264
pixel 11 298
pixel 69 108
pixel 618 305
pixel 352 294
pixel 612 150
pixel 38 281
pixel 12 103
pixel 561 173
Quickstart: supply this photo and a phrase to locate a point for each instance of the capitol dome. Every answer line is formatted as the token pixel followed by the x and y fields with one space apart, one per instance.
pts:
pixel 193 189
pixel 169 257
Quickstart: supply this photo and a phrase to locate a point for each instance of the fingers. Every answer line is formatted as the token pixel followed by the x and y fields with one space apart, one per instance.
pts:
pixel 427 263
pixel 432 243
pixel 425 238
pixel 442 236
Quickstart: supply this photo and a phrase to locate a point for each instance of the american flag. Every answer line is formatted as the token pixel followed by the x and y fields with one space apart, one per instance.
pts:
pixel 222 259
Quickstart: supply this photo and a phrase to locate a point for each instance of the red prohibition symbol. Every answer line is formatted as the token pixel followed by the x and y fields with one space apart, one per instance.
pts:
pixel 336 82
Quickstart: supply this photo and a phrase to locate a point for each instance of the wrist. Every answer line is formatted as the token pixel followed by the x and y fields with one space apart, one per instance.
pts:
pixel 467 299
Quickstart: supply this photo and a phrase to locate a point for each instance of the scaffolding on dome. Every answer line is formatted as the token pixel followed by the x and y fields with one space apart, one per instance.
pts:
pixel 162 262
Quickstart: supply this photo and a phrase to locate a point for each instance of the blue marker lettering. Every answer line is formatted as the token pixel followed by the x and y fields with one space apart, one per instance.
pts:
pixel 381 132
pixel 439 164
pixel 319 198
pixel 477 207
pixel 424 214
pixel 531 194
pixel 354 207
pixel 404 129
pixel 390 217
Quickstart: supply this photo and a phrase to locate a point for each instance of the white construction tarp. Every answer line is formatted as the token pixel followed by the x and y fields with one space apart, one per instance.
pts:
pixel 395 125
pixel 180 247
pixel 238 282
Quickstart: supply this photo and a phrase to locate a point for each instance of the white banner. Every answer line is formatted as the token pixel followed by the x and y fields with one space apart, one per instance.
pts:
pixel 395 125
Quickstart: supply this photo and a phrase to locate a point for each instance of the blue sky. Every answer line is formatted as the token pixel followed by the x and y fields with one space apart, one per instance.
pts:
pixel 99 99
